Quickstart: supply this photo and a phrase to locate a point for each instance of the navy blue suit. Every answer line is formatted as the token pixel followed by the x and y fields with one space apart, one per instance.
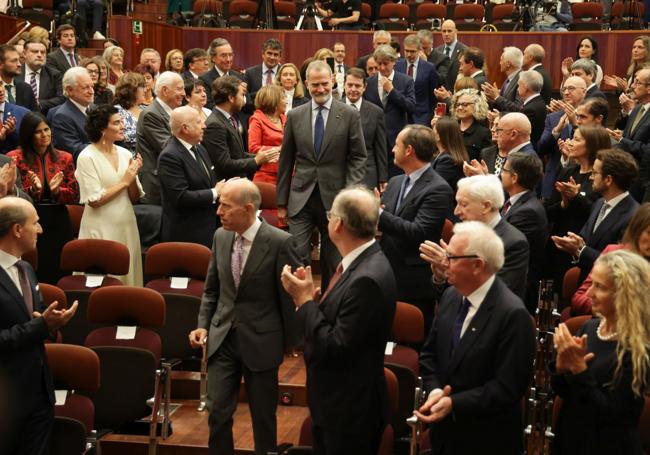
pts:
pixel 547 145
pixel 69 129
pixel 426 80
pixel 18 112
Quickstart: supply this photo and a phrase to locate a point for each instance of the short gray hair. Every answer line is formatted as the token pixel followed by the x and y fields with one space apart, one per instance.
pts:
pixel 149 49
pixel 108 53
pixel 514 56
pixel 482 188
pixel 413 40
pixel 317 65
pixel 533 80
pixel 166 79
pixel 381 34
pixel 359 211
pixel 217 42
pixel 587 65
pixel 536 51
pixel 425 34
pixel 384 52
pixel 483 242
pixel 71 76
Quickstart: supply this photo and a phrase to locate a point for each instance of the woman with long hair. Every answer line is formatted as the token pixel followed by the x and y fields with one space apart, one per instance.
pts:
pixel 98 71
pixel 451 150
pixel 114 57
pixel 640 59
pixel 129 96
pixel 602 373
pixel 587 48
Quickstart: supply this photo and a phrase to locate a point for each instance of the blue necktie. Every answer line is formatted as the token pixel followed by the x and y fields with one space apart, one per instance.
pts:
pixel 458 325
pixel 402 192
pixel 319 131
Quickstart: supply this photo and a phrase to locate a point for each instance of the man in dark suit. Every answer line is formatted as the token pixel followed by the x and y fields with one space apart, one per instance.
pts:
pixel 477 360
pixel 24 324
pixel 188 185
pixel 529 91
pixel 44 81
pixel 323 151
pixel 635 138
pixel 393 92
pixel 520 175
pixel 340 68
pixel 222 56
pixel 12 116
pixel 479 198
pixel 65 57
pixel 69 120
pixel 379 38
pixel 471 65
pixel 425 79
pixel 153 131
pixel 373 127
pixel 197 63
pixel 243 317
pixel 507 98
pixel 533 58
pixel 585 68
pixel 415 206
pixel 18 92
pixel 222 139
pixel 451 48
pixel 612 176
pixel 439 60
pixel 265 73
pixel 346 332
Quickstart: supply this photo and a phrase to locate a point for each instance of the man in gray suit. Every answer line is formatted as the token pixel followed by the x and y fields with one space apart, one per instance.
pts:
pixel 45 82
pixel 153 131
pixel 323 151
pixel 243 312
pixel 451 48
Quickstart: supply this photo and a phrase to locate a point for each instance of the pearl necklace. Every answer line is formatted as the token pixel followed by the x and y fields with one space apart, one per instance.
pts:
pixel 602 337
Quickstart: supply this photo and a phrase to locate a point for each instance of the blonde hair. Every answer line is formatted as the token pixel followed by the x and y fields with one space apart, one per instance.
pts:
pixel 299 90
pixel 323 53
pixel 268 98
pixel 630 274
pixel 480 104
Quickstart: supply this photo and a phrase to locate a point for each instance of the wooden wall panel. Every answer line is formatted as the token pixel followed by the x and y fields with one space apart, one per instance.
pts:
pixel 9 26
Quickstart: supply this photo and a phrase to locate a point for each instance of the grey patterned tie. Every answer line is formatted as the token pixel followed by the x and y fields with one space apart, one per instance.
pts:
pixel 601 215
pixel 237 258
pixel 33 85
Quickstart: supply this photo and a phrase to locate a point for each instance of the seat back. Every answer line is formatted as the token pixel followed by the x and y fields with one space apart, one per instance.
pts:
pixel 447 230
pixel 75 212
pixel 570 283
pixel 406 381
pixel 431 11
pixel 207 7
pixel 181 312
pixel 408 324
pixel 469 16
pixel 93 256
pixel 68 437
pixel 51 294
pixel 574 324
pixel 394 11
pixel 179 259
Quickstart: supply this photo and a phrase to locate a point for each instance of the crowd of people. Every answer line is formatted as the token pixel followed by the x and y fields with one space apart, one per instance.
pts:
pixel 377 158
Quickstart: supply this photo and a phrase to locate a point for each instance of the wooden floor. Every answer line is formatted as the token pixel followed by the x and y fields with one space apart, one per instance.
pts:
pixel 190 427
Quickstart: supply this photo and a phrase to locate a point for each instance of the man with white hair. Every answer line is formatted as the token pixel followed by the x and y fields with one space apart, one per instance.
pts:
pixel 586 69
pixel 533 60
pixel 507 98
pixel 153 131
pixel 480 198
pixel 69 121
pixel 529 88
pixel 188 184
pixel 379 38
pixel 477 360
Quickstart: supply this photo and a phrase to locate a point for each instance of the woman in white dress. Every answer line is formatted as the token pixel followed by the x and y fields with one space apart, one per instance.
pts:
pixel 108 186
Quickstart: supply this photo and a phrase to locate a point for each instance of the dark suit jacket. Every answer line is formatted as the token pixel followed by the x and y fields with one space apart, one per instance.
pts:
pixel 23 362
pixel 345 338
pixel 444 165
pixel 547 87
pixel 188 76
pixel 489 155
pixel 188 208
pixel 547 145
pixel 509 100
pixel 253 77
pixel 452 74
pixel 517 253
pixel 535 110
pixel 342 159
pixel 50 90
pixel 152 133
pixel 420 217
pixel 399 106
pixel 24 95
pixel 258 307
pixel 295 102
pixel 480 79
pixel 637 142
pixel 374 135
pixel 226 148
pixel 594 92
pixel 609 231
pixel 425 82
pixel 363 60
pixel 209 76
pixel 476 138
pixel 69 129
pixel 58 60
pixel 11 140
pixel 489 373
pixel 442 64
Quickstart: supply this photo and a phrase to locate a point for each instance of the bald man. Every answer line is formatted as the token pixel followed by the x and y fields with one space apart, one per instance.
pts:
pixel 188 184
pixel 451 48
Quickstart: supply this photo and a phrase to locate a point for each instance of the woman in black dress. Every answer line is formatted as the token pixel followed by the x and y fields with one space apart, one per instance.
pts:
pixel 451 150
pixel 469 107
pixel 603 373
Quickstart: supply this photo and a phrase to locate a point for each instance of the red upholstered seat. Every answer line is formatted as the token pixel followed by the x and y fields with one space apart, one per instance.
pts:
pixel 394 16
pixel 177 259
pixel 93 256
pixel 408 329
pixel 469 16
pixel 429 14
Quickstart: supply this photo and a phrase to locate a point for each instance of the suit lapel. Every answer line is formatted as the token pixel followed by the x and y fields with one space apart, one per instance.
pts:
pixel 612 217
pixel 226 256
pixel 192 163
pixel 10 287
pixel 333 122
pixel 415 190
pixel 257 253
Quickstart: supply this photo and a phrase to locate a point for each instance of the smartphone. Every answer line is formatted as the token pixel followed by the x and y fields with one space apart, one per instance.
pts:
pixel 330 62
pixel 441 109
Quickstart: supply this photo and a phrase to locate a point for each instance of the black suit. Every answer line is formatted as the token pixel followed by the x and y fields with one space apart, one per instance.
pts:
pixel 444 165
pixel 442 64
pixel 24 95
pixel 488 371
pixel 609 231
pixel 508 99
pixel 226 148
pixel 529 216
pixel 547 87
pixel 209 76
pixel 188 205
pixel 295 102
pixel 26 381
pixel 345 338
pixel 489 155
pixel 516 249
pixel 594 92
pixel 59 61
pixel 535 110
pixel 480 79
pixel 637 143
pixel 50 89
pixel 452 73
pixel 254 76
pixel 421 216
pixel 374 134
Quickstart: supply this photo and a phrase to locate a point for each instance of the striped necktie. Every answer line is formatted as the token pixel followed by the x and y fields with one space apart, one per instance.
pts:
pixel 33 85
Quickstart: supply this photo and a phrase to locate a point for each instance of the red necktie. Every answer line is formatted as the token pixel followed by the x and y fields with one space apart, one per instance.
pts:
pixel 71 58
pixel 335 278
pixel 269 77
pixel 410 70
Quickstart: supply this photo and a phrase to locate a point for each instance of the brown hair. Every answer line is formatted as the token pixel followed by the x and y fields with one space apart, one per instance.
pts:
pixel 451 139
pixel 596 138
pixel 268 98
pixel 638 223
pixel 126 88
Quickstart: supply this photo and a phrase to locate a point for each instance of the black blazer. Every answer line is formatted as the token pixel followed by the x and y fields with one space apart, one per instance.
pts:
pixel 425 82
pixel 374 134
pixel 509 101
pixel 489 373
pixel 609 231
pixel 345 339
pixel 24 95
pixel 57 60
pixel 50 90
pixel 535 110
pixel 489 155
pixel 295 102
pixel 476 138
pixel 226 148
pixel 253 77
pixel 594 92
pixel 23 362
pixel 452 73
pixel 188 206
pixel 547 87
pixel 637 142
pixel 442 64
pixel 69 129
pixel 421 216
pixel 517 253
pixel 209 76
pixel 444 165
pixel 480 79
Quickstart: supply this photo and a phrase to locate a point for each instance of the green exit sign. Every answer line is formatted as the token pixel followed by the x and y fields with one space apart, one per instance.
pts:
pixel 137 27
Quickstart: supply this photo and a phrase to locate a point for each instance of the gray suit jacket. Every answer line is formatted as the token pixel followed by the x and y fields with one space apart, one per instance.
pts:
pixel 57 60
pixel 342 159
pixel 50 89
pixel 510 101
pixel 374 135
pixel 260 308
pixel 152 134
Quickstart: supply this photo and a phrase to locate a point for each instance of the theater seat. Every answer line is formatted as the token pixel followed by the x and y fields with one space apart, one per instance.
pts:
pixel 286 14
pixel 177 259
pixel 242 13
pixel 394 16
pixel 51 294
pixel 587 16
pixel 268 206
pixel 469 16
pixel 429 15
pixel 407 331
pixel 574 324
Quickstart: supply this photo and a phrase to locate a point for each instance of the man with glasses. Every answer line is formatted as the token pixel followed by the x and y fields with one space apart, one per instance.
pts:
pixel 477 361
pixel 196 62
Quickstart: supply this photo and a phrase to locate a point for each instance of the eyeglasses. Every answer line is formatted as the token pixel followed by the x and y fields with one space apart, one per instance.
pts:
pixel 503 169
pixel 638 82
pixel 464 104
pixel 568 88
pixel 93 71
pixel 462 256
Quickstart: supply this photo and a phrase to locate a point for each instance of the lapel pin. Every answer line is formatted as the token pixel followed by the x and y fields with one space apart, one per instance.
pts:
pixel 338 115
pixel 473 329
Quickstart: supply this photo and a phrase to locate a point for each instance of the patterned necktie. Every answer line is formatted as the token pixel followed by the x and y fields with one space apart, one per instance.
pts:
pixel 25 287
pixel 601 215
pixel 447 50
pixel 410 70
pixel 71 60
pixel 335 278
pixel 10 93
pixel 319 131
pixel 237 259
pixel 269 77
pixel 505 208
pixel 458 324
pixel 32 84
pixel 340 68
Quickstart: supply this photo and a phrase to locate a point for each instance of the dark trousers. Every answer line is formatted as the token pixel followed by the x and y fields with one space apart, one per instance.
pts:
pixel 301 226
pixel 365 441
pixel 225 370
pixel 31 433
